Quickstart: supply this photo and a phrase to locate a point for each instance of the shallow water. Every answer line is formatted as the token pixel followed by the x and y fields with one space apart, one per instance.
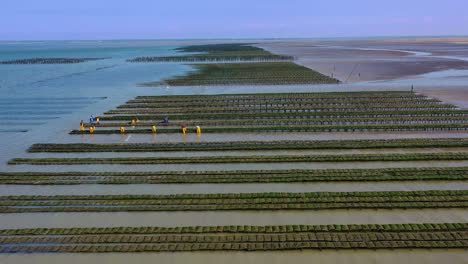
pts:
pixel 122 189
pixel 63 137
pixel 416 256
pixel 215 218
pixel 19 112
pixel 246 166
pixel 68 93
pixel 244 153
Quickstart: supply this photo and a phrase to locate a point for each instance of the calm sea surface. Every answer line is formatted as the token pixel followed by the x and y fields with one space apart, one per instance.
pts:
pixel 40 102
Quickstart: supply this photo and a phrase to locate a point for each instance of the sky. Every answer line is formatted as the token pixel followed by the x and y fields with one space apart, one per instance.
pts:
pixel 176 19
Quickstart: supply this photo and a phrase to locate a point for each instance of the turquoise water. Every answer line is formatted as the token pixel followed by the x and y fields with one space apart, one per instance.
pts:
pixel 32 94
pixel 81 79
pixel 40 102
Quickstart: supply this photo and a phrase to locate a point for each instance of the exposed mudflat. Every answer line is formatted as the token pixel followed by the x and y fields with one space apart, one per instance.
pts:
pixel 361 60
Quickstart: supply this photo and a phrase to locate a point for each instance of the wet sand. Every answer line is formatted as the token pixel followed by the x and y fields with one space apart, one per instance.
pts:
pixel 371 60
pixel 458 97
pixel 306 256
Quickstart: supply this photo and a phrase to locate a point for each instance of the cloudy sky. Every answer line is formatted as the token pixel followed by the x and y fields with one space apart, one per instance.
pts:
pixel 155 19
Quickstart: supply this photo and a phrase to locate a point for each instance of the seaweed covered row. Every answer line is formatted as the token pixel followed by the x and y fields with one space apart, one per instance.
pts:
pixel 253 145
pixel 252 176
pixel 231 52
pixel 235 201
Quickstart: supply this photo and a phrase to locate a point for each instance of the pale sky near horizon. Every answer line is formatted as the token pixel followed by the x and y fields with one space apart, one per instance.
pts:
pixel 154 19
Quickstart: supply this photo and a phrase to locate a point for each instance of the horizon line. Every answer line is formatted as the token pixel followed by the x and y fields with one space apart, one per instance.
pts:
pixel 244 38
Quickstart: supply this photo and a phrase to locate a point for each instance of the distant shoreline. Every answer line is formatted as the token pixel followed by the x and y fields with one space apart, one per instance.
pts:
pixel 362 61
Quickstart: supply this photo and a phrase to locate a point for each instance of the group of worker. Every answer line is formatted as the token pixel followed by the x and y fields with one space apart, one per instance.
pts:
pixel 93 122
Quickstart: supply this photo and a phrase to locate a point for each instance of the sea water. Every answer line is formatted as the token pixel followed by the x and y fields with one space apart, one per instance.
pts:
pixel 39 102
